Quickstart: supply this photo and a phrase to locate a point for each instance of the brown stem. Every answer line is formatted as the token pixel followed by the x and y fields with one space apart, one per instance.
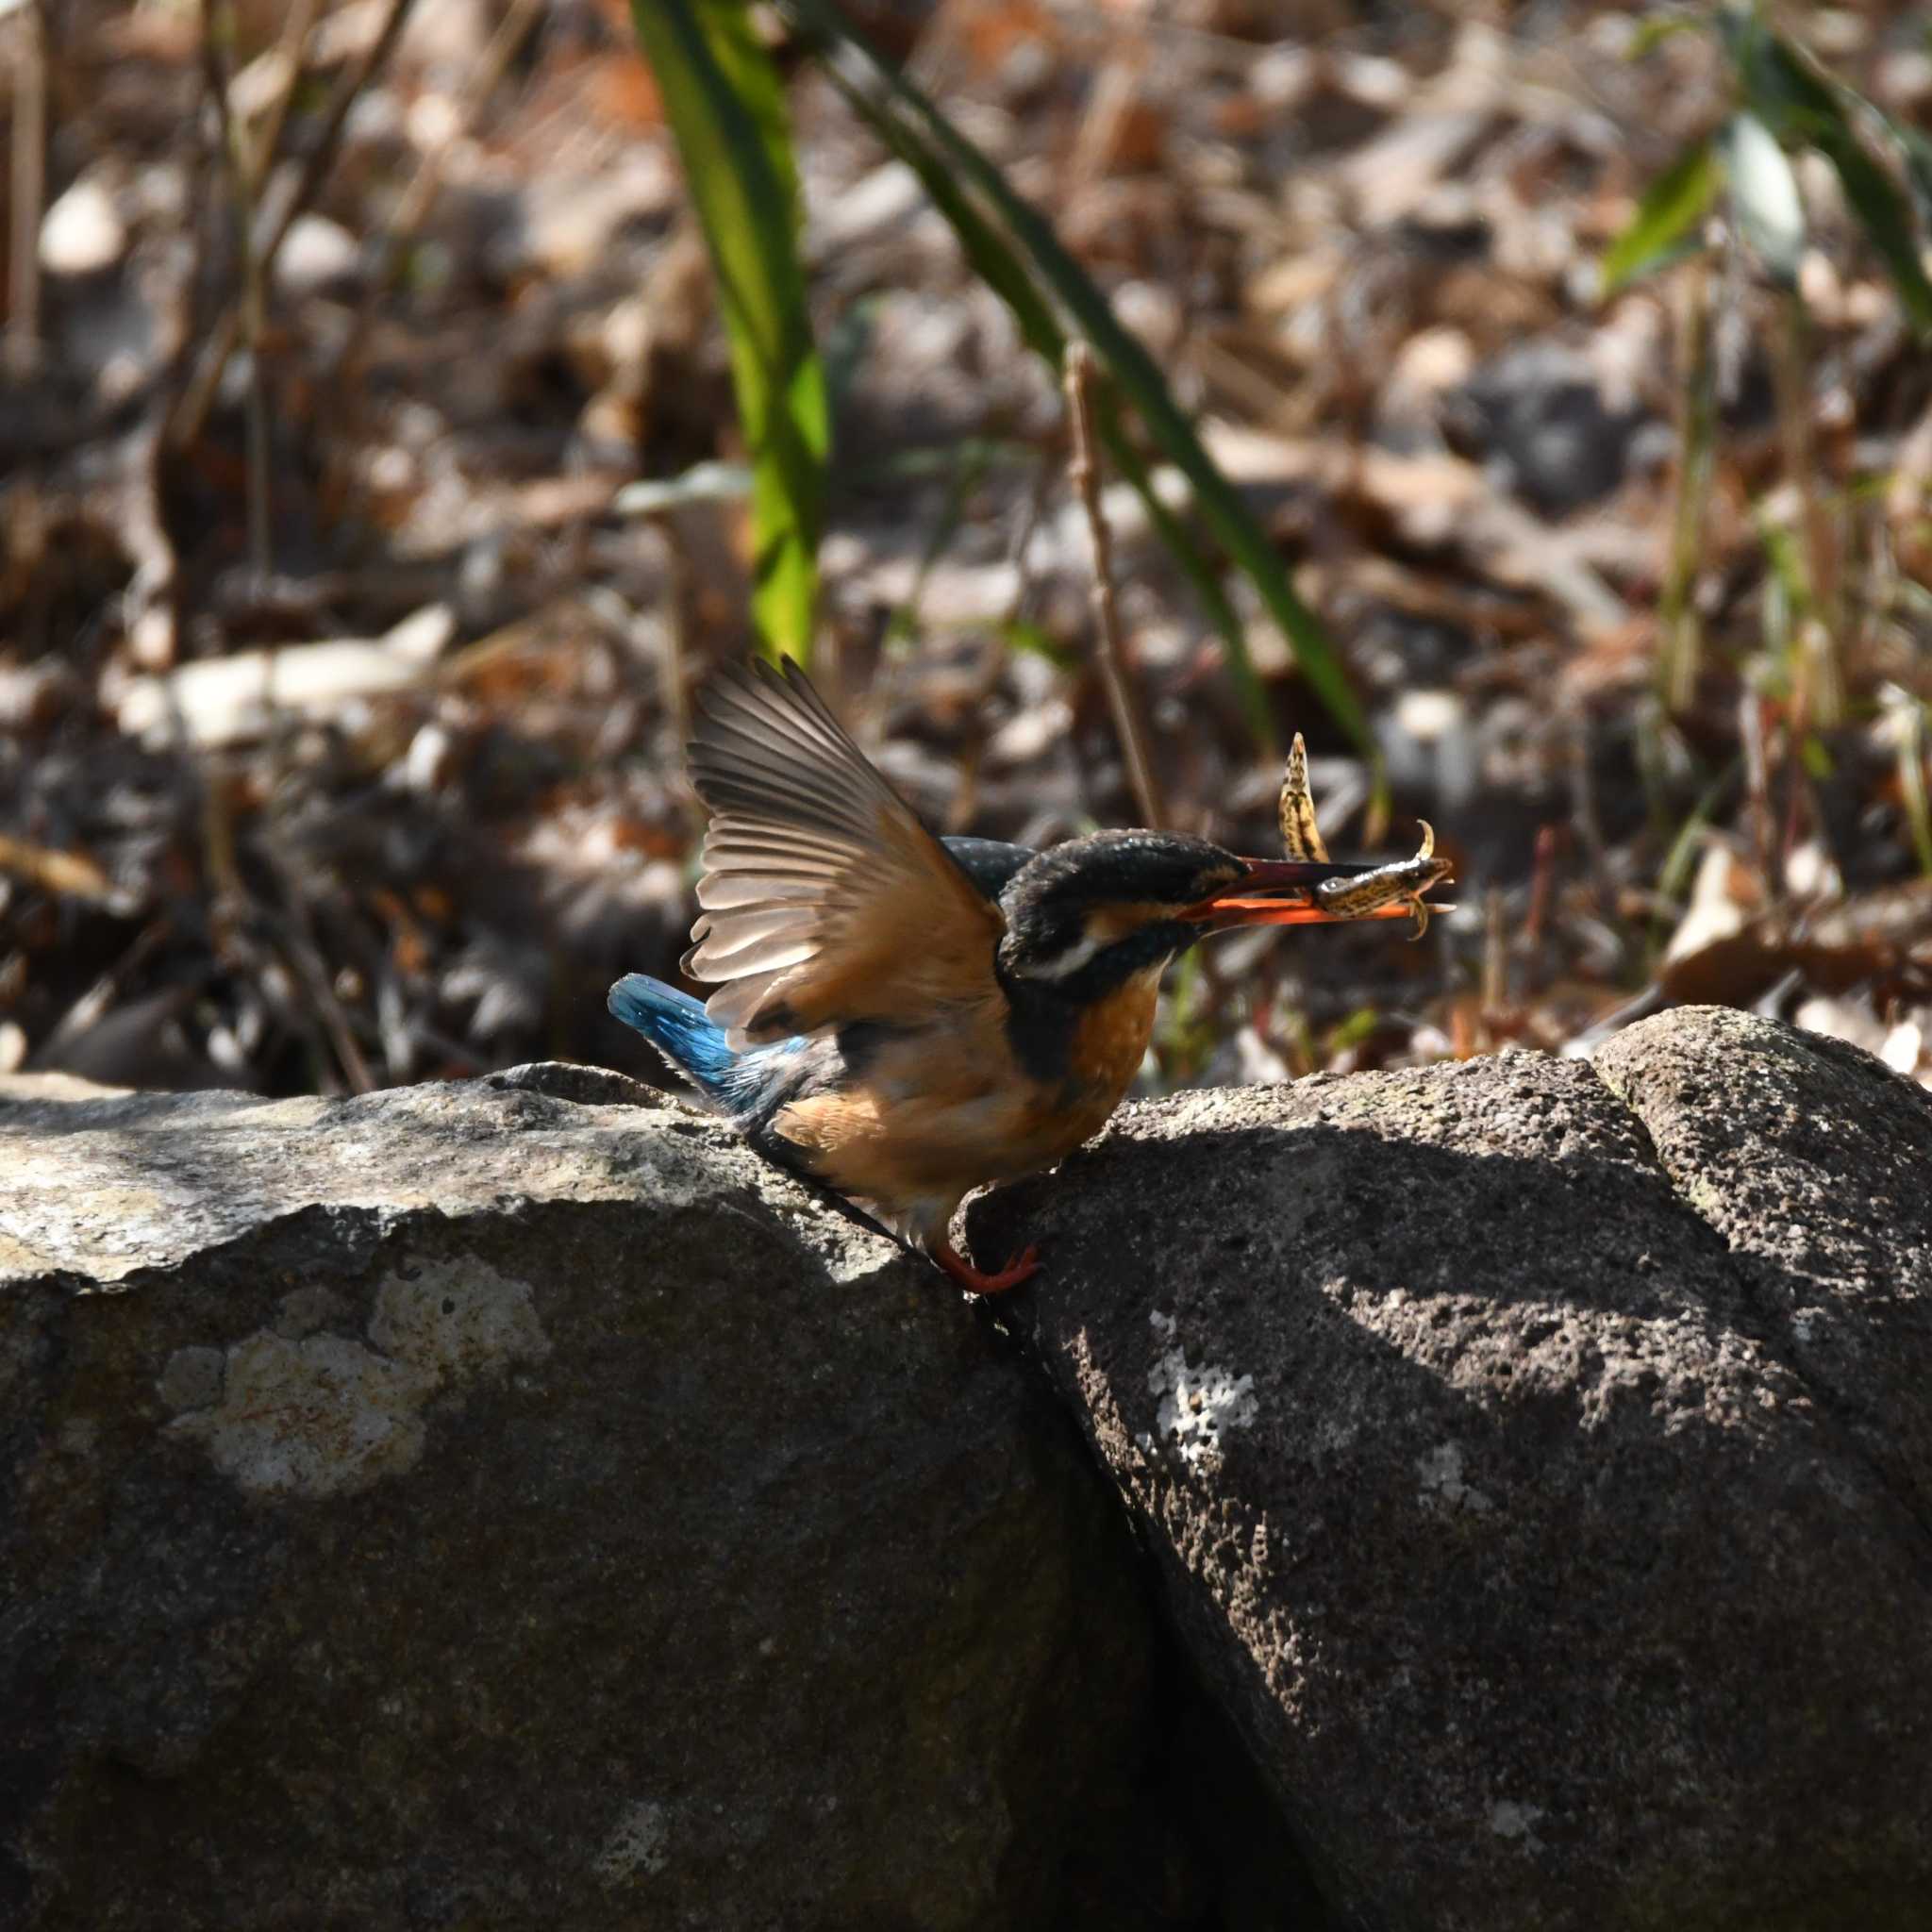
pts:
pixel 1680 643
pixel 217 30
pixel 29 187
pixel 1818 686
pixel 1495 956
pixel 1751 736
pixel 420 196
pixel 1584 814
pixel 190 413
pixel 294 42
pixel 1083 469
pixel 1541 885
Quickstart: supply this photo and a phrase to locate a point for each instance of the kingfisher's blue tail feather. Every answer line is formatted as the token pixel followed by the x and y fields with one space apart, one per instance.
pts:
pixel 748 1085
pixel 680 1029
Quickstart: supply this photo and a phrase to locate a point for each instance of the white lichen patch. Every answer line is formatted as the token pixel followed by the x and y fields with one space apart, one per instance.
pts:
pixel 326 1414
pixel 457 1321
pixel 316 1417
pixel 639 1842
pixel 1197 1404
pixel 1443 1485
pixel 1507 1818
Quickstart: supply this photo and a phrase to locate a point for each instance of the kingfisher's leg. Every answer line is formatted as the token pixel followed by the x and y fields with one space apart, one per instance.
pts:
pixel 969 1278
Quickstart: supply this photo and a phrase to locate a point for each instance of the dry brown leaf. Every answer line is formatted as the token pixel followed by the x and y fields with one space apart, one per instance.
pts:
pixel 67 875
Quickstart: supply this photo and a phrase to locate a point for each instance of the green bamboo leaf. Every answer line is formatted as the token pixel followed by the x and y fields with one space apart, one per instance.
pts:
pixel 1129 366
pixel 1764 196
pixel 1798 103
pixel 1883 213
pixel 1917 150
pixel 1778 87
pixel 1670 211
pixel 726 109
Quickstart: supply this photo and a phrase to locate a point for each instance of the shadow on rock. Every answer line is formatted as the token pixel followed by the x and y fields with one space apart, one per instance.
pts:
pixel 1542 1581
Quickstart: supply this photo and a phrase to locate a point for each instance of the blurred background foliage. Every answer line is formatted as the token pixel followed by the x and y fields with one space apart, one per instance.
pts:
pixel 404 402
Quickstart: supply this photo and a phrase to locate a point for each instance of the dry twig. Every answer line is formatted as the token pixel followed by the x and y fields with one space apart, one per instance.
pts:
pixel 420 196
pixel 1083 469
pixel 29 187
pixel 190 412
pixel 217 30
pixel 268 141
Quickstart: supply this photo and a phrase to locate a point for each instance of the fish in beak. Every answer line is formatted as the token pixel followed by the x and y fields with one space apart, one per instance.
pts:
pixel 1306 891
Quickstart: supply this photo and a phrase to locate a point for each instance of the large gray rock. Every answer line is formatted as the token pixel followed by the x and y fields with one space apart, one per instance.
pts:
pixel 511 1504
pixel 471 1506
pixel 1814 1162
pixel 1500 1501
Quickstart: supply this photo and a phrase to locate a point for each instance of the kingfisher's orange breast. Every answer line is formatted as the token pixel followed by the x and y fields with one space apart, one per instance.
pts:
pixel 939 1112
pixel 1110 1038
pixel 1108 1045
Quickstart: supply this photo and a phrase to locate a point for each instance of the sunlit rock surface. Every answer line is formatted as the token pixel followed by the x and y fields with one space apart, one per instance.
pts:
pixel 468 1506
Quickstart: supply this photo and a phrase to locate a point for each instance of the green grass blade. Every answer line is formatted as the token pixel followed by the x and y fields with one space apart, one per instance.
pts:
pixel 1670 210
pixel 924 128
pixel 1248 688
pixel 1658 29
pixel 726 109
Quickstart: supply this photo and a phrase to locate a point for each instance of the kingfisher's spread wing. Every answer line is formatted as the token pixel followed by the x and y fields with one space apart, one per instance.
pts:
pixel 824 900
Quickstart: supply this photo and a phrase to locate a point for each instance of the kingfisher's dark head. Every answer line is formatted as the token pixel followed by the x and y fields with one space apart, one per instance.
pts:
pixel 1085 916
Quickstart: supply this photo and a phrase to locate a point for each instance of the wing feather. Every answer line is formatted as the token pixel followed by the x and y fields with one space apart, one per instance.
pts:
pixel 741 892
pixel 797 857
pixel 768 927
pixel 824 899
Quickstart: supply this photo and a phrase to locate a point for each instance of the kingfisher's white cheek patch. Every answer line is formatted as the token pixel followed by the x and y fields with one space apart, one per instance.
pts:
pixel 1061 964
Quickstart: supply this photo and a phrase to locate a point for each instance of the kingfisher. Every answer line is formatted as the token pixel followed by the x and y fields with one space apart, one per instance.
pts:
pixel 904 1017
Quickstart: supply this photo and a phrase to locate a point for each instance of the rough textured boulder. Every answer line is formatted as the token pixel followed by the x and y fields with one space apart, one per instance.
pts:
pixel 1816 1168
pixel 1544 1513
pixel 515 1504
pixel 473 1507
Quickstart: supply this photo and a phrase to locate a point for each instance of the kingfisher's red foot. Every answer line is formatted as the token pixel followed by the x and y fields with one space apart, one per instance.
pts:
pixel 969 1278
